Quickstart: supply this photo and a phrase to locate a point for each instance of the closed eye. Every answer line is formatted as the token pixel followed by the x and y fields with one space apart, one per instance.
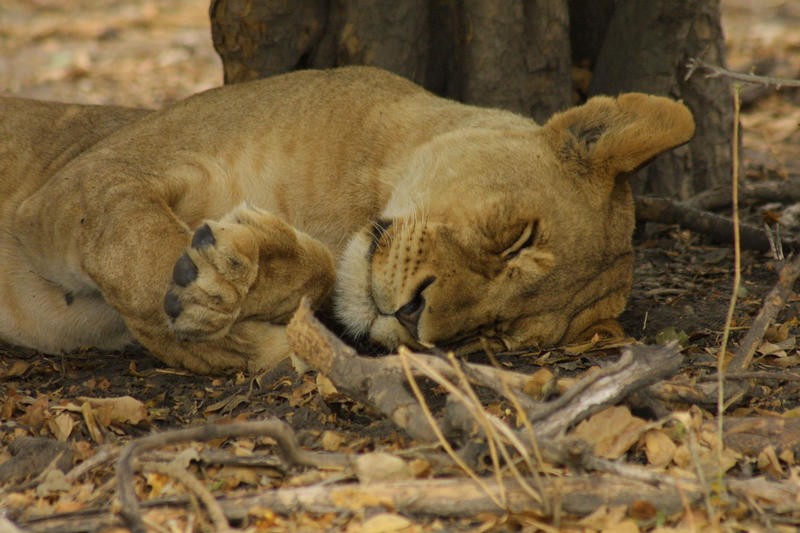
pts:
pixel 526 238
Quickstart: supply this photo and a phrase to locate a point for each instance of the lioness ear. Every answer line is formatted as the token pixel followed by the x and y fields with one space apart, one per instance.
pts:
pixel 607 136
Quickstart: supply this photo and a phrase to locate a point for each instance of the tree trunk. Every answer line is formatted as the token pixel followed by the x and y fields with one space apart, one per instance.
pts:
pixel 646 48
pixel 533 57
pixel 512 54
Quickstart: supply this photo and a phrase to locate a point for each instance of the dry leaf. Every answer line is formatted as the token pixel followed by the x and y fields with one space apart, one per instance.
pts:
pixel 91 423
pixel 18 367
pixel 326 387
pixel 540 384
pixel 768 348
pixel 184 458
pixel 233 476
pixel 159 484
pixel 331 440
pixel 777 333
pixel 61 426
pixel 642 510
pixel 380 466
pixel 768 462
pixel 611 431
pixel 386 523
pixel 36 414
pixel 68 506
pixel 787 456
pixel 124 409
pixel 420 467
pixel 54 481
pixel 659 448
pixel 626 526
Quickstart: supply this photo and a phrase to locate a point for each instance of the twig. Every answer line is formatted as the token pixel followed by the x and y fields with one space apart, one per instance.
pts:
pixel 758 374
pixel 704 487
pixel 473 405
pixel 278 430
pixel 773 303
pixel 648 365
pixel 716 227
pixel 715 71
pixel 737 276
pixel 499 501
pixel 102 456
pixel 493 428
pixel 215 512
pixel 513 397
pixel 583 383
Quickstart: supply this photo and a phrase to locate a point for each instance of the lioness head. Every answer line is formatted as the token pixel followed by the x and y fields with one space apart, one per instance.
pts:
pixel 519 236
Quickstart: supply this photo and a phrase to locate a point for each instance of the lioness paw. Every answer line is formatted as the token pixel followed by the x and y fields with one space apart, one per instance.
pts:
pixel 210 280
pixel 251 265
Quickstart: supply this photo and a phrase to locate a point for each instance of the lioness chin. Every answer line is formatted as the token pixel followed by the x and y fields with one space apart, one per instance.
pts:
pixel 196 229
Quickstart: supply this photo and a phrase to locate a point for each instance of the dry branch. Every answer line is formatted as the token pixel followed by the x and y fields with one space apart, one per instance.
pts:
pixel 444 498
pixel 787 191
pixel 715 71
pixel 717 227
pixel 278 430
pixel 379 382
pixel 643 366
pixel 773 303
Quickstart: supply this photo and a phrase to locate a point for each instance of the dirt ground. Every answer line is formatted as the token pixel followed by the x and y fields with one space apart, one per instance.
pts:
pixel 149 53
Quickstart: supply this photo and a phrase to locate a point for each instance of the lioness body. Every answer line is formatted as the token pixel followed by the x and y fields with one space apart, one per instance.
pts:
pixel 99 206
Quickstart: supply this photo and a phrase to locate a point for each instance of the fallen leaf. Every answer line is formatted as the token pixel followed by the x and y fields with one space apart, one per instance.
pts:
pixel 642 510
pixel 18 367
pixel 91 423
pixel 669 334
pixel 611 432
pixel 68 506
pixel 331 440
pixel 326 387
pixel 420 467
pixel 777 333
pixel 380 466
pixel 659 448
pixel 158 484
pixel 768 462
pixel 386 523
pixel 54 481
pixel 233 476
pixel 36 414
pixel 626 526
pixel 122 409
pixel 540 384
pixel 61 426
pixel 184 458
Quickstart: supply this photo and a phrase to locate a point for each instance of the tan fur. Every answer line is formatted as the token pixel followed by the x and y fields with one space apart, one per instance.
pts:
pixel 449 223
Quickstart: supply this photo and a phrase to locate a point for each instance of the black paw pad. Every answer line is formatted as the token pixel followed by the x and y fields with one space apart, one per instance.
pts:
pixel 184 272
pixel 203 237
pixel 172 305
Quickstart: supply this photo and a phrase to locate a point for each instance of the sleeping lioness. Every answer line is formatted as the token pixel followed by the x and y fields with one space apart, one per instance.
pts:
pixel 195 230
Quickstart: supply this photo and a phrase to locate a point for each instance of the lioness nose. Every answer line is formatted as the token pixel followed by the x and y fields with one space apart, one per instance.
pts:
pixel 408 315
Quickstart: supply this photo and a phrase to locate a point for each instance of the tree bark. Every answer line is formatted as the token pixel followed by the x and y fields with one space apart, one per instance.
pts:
pixel 646 49
pixel 512 54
